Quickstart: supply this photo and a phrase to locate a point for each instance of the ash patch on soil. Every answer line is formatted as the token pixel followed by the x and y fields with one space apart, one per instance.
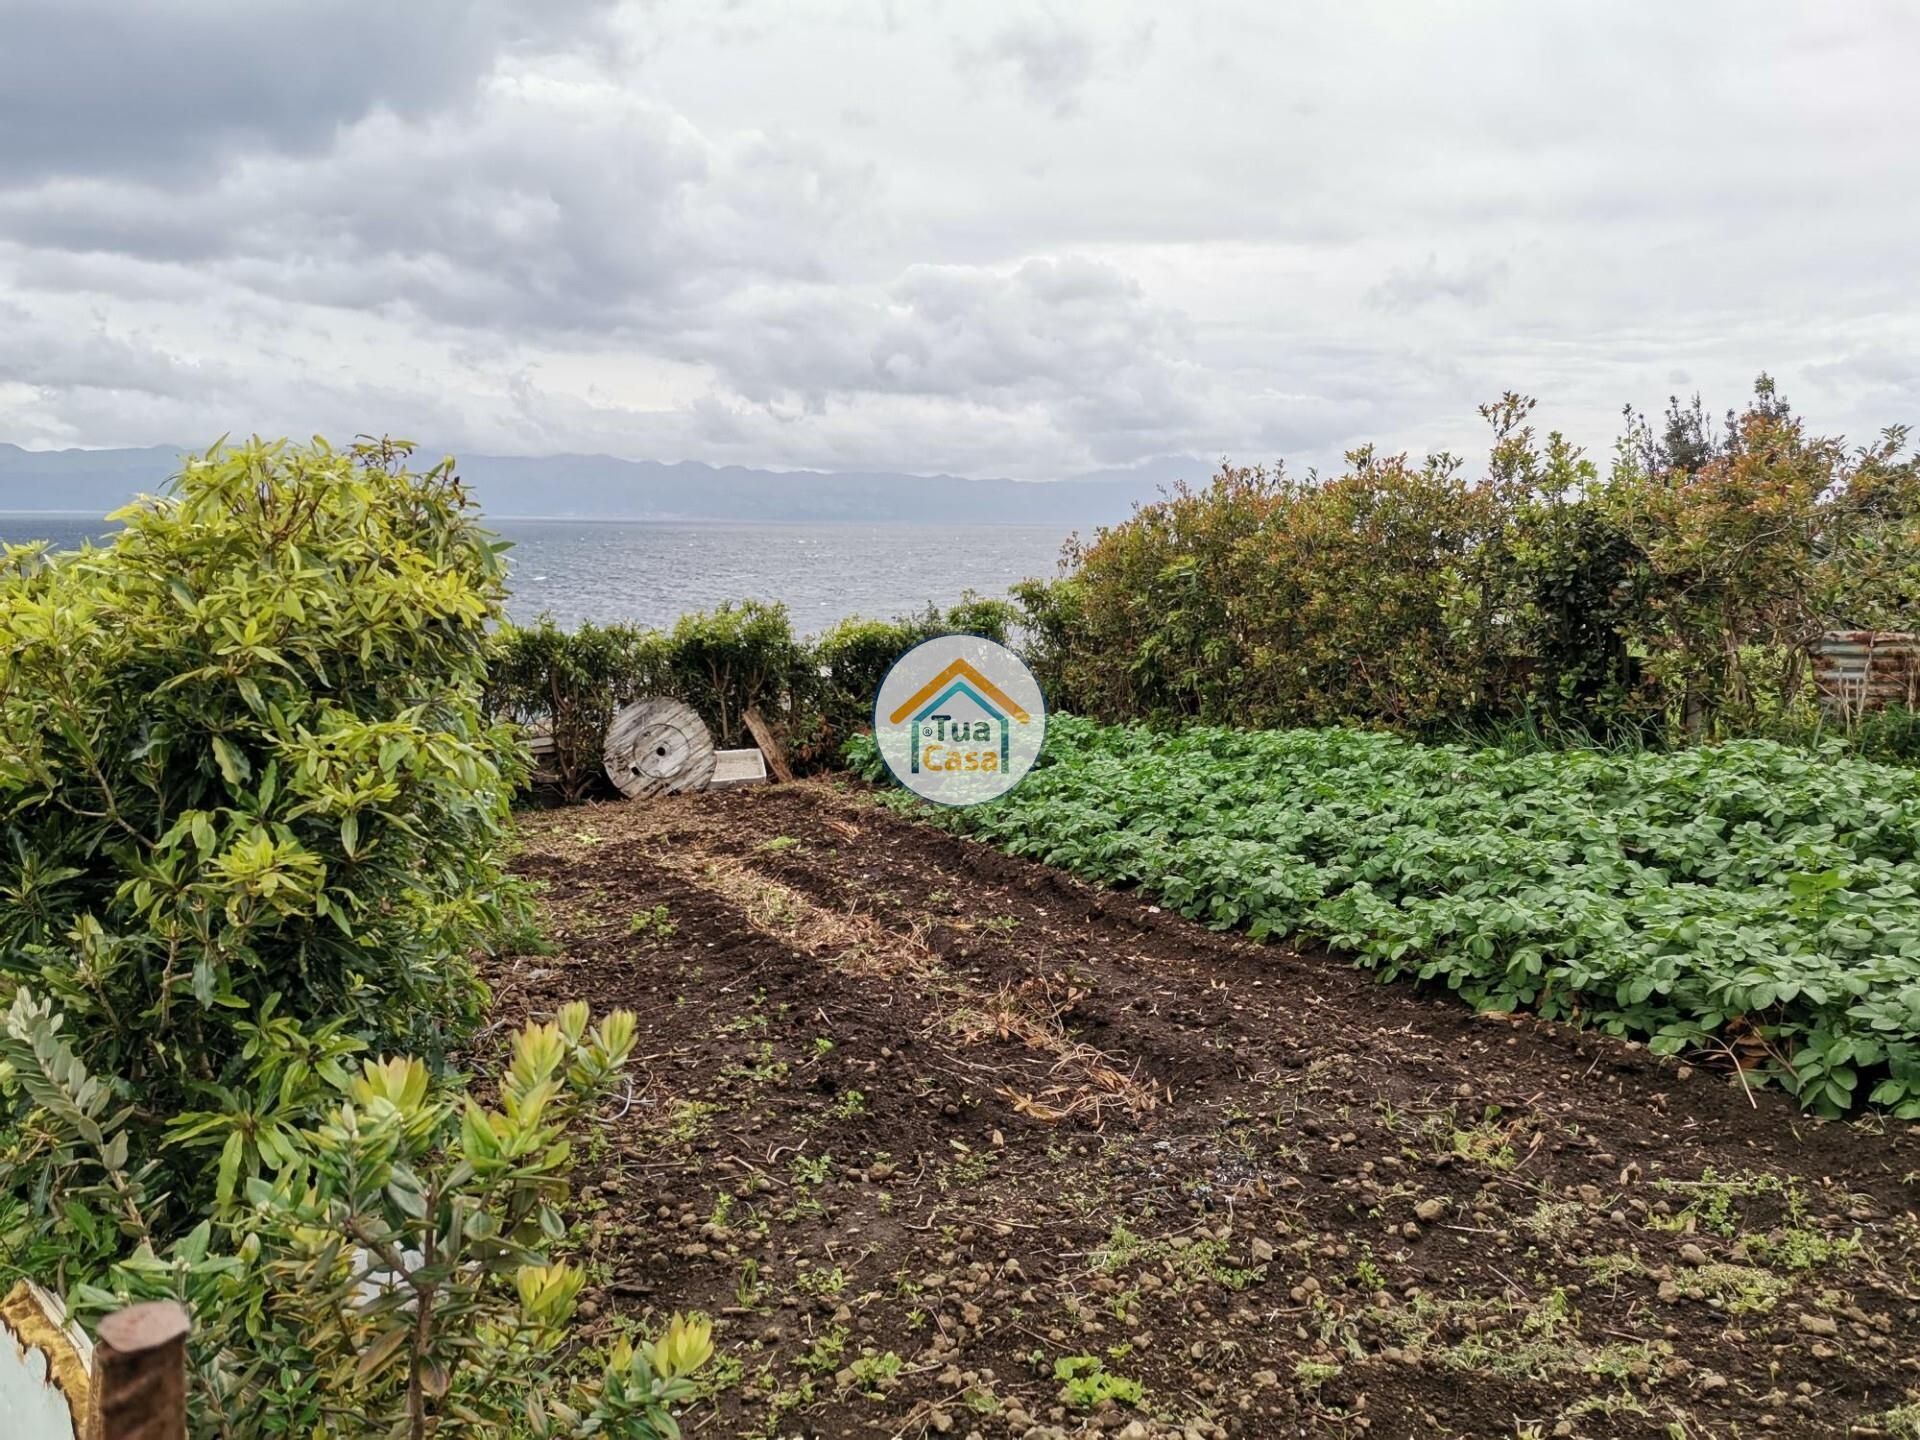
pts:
pixel 950 1143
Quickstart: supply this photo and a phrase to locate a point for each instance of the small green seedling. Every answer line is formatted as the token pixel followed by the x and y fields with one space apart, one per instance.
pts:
pixel 655 924
pixel 1085 1382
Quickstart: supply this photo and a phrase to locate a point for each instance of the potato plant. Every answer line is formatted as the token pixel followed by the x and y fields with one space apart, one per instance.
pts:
pixel 1752 900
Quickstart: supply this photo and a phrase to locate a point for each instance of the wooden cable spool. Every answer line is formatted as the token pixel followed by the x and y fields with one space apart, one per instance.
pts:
pixel 657 746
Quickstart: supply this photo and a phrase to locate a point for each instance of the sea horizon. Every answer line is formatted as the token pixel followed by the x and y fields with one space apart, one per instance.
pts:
pixel 651 571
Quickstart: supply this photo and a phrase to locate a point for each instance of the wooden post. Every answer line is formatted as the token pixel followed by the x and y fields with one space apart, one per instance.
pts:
pixel 140 1373
pixel 769 744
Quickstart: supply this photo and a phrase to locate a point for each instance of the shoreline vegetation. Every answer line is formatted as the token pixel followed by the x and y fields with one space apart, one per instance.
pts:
pixel 1668 601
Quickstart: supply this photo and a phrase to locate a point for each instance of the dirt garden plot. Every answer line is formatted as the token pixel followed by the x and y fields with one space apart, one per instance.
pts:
pixel 949 1143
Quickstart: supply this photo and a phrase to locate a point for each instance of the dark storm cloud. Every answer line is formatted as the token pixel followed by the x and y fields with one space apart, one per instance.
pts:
pixel 547 207
pixel 107 87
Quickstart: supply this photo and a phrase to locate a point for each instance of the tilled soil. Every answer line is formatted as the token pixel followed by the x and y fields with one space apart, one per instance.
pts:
pixel 949 1143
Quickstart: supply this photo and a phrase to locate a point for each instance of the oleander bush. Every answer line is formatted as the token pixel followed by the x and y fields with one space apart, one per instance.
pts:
pixel 1753 901
pixel 255 816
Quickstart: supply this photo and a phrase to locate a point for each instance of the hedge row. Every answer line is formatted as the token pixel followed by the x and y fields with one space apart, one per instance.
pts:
pixel 1667 598
pixel 817 691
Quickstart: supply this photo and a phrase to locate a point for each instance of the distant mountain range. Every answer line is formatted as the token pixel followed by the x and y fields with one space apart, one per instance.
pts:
pixel 601 487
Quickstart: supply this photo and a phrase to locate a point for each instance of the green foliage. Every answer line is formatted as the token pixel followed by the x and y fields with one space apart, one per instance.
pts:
pixel 255 817
pixel 1891 735
pixel 1564 585
pixel 656 924
pixel 571 682
pixel 873 1374
pixel 1749 899
pixel 1675 596
pixel 391 1273
pixel 854 656
pixel 973 615
pixel 725 661
pixel 1085 1382
pixel 254 811
pixel 1054 633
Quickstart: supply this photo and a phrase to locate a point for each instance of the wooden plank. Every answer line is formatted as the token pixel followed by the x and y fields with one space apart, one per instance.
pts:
pixel 769 743
pixel 737 767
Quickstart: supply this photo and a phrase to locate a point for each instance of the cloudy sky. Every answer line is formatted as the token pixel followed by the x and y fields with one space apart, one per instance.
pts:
pixel 1019 239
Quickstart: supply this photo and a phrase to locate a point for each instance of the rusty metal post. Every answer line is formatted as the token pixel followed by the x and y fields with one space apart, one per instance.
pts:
pixel 140 1373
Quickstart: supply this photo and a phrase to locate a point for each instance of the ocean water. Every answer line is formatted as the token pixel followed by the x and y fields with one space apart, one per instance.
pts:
pixel 652 573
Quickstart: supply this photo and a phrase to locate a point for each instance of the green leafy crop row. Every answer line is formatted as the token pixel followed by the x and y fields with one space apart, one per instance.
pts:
pixel 1754 900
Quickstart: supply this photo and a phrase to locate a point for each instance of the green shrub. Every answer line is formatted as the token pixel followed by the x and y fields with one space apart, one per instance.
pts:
pixel 973 614
pixel 853 658
pixel 1561 639
pixel 1674 596
pixel 728 660
pixel 721 662
pixel 1891 735
pixel 572 682
pixel 246 780
pixel 1054 638
pixel 392 1275
pixel 255 818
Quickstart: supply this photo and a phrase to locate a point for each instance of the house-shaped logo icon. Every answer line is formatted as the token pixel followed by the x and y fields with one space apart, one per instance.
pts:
pixel 959 719
pixel 959 680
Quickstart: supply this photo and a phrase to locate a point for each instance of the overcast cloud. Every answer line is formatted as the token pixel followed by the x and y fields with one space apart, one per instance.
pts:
pixel 970 237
